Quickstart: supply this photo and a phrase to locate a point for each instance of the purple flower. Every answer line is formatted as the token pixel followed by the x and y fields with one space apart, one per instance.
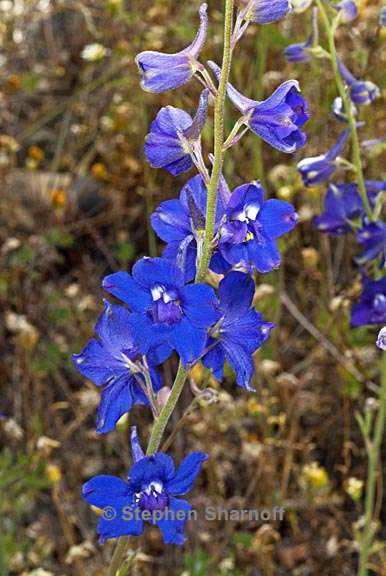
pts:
pixel 348 10
pixel 371 308
pixel 162 72
pixel 110 361
pixel 149 494
pixel 239 332
pixel 265 11
pixel 318 169
pixel 278 119
pixel 252 224
pixel 373 239
pixel 343 207
pixel 299 52
pixel 165 310
pixel 382 17
pixel 361 91
pixel 339 110
pixel 181 223
pixel 381 340
pixel 173 136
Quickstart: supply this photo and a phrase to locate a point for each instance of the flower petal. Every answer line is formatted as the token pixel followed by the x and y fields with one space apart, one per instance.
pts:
pixel 122 286
pixel 277 217
pixel 186 474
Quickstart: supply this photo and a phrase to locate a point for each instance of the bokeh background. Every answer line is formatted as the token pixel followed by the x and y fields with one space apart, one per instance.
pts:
pixel 76 194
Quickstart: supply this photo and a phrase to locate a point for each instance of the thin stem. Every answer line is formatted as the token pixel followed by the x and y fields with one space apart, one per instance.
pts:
pixel 372 469
pixel 163 419
pixel 149 387
pixel 118 555
pixel 218 144
pixel 233 135
pixel 357 160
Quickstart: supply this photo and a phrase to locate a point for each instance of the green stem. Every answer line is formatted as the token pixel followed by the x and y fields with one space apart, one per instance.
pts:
pixel 219 108
pixel 162 420
pixel 118 555
pixel 357 160
pixel 372 468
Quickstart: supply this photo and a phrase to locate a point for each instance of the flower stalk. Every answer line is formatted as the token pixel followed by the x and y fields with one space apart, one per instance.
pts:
pixel 330 29
pixel 163 418
pixel 373 446
pixel 218 136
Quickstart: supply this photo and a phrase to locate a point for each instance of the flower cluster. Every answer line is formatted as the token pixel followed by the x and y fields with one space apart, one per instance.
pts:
pixel 163 310
pixel 350 207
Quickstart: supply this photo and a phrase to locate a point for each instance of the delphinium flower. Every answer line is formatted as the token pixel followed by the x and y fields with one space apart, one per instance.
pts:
pixel 162 72
pixel 318 169
pixel 247 238
pixel 300 52
pixel 181 223
pixel 111 361
pixel 372 237
pixel 371 308
pixel 361 91
pixel 174 137
pixel 239 332
pixel 343 207
pixel 339 111
pixel 265 11
pixel 148 495
pixel 164 309
pixel 382 17
pixel 381 340
pixel 278 119
pixel 348 10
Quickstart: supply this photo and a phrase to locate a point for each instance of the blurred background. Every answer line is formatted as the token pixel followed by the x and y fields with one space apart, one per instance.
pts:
pixel 76 194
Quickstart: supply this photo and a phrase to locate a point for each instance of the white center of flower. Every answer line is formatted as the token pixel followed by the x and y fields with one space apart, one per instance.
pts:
pixel 249 213
pixel 154 487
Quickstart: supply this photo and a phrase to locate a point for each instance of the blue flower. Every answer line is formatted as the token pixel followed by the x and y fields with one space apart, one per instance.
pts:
pixel 381 340
pixel 371 308
pixel 373 239
pixel 361 91
pixel 149 494
pixel 300 52
pixel 348 10
pixel 162 72
pixel 173 137
pixel 318 169
pixel 265 11
pixel 339 110
pixel 343 207
pixel 111 361
pixel 382 17
pixel 278 119
pixel 239 332
pixel 181 223
pixel 252 224
pixel 165 310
